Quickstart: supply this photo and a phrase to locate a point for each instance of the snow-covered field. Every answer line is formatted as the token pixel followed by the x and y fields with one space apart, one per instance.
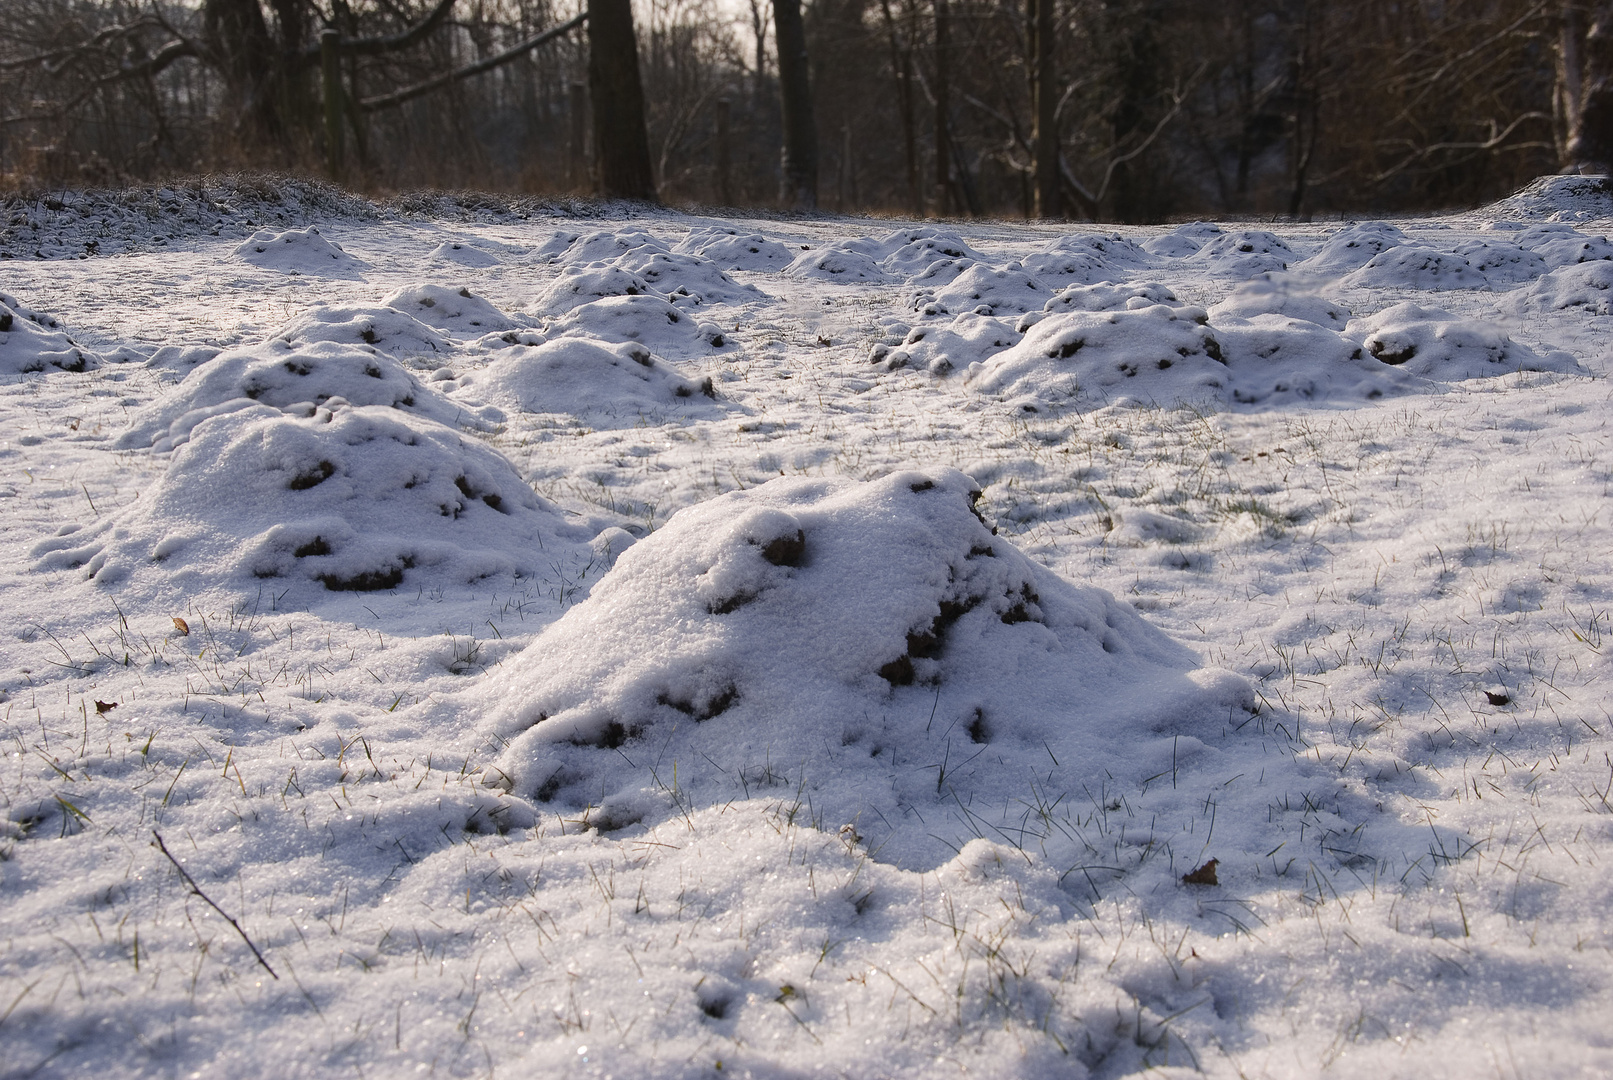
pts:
pixel 462 642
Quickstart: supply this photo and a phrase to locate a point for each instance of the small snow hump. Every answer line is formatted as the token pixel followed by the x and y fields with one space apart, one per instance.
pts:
pixel 299 251
pixel 32 341
pixel 854 631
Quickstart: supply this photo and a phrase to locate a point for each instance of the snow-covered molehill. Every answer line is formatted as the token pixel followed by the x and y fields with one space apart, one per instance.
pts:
pixel 354 498
pixel 1438 345
pixel 33 341
pixel 282 375
pixel 446 308
pixel 299 251
pixel 601 383
pixel 731 249
pixel 878 638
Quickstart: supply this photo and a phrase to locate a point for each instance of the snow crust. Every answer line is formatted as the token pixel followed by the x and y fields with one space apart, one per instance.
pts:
pixel 669 646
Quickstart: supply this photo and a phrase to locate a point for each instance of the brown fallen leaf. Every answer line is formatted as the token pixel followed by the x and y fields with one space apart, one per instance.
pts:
pixel 1498 699
pixel 104 707
pixel 1204 875
pixel 182 626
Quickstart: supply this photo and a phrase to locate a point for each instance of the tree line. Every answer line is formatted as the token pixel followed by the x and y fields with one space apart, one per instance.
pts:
pixel 1123 110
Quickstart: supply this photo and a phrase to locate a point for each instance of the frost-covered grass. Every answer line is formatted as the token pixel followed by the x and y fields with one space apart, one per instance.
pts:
pixel 399 834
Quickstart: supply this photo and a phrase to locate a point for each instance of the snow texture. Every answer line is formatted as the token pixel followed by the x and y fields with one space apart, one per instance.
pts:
pixel 469 701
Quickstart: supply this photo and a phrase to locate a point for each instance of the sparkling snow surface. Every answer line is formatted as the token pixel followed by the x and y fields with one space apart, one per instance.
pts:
pixel 663 646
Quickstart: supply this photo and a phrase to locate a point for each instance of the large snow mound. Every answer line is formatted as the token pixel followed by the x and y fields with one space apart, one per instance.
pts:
pixel 648 320
pixel 1160 354
pixel 591 380
pixel 379 329
pixel 855 631
pixel 985 290
pixel 1436 344
pixel 1581 285
pixel 1558 198
pixel 734 250
pixel 1354 246
pixel 1086 258
pixel 355 498
pixel 282 375
pixel 299 251
pixel 33 341
pixel 444 307
pixel 1413 266
pixel 967 339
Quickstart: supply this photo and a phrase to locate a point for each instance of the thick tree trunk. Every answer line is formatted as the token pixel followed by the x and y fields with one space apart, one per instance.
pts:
pixel 795 96
pixel 237 37
pixel 1585 85
pixel 1044 100
pixel 621 146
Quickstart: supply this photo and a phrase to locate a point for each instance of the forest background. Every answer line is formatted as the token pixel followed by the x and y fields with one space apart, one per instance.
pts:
pixel 1120 110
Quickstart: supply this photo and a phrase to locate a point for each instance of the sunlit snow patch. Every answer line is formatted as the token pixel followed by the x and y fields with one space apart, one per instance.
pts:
pixel 299 251
pixel 354 498
pixel 33 341
pixel 873 641
pixel 281 375
pixel 603 384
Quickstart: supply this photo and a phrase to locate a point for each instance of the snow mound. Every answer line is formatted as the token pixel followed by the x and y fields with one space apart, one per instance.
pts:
pixel 1564 245
pixel 1412 266
pixel 600 247
pixel 447 308
pixel 856 631
pixel 1182 241
pixel 466 255
pixel 841 262
pixel 1274 359
pixel 299 251
pixel 1274 295
pixel 1558 198
pixel 1243 253
pixel 583 285
pixel 590 380
pixel 283 376
pixel 986 290
pixel 378 329
pixel 1158 354
pixel 912 250
pixel 182 359
pixel 1107 297
pixel 735 250
pixel 648 320
pixel 32 341
pixel 1502 263
pixel 1085 257
pixel 1438 345
pixel 1584 285
pixel 970 338
pixel 354 498
pixel 686 278
pixel 1353 247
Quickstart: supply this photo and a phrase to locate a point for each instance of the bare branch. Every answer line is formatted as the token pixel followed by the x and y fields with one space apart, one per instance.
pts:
pixel 515 52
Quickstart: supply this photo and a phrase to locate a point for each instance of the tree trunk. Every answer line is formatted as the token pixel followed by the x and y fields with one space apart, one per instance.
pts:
pixel 237 37
pixel 902 66
pixel 795 97
pixel 621 145
pixel 943 134
pixel 1585 84
pixel 1044 100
